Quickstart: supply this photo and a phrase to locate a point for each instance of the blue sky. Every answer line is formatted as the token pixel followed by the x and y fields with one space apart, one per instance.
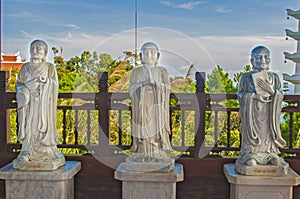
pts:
pixel 210 17
pixel 206 33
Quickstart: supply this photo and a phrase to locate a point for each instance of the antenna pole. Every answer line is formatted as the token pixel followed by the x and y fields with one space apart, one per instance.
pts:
pixel 136 31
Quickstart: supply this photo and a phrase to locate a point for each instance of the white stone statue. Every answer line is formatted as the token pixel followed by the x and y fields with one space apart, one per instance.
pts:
pixel 260 97
pixel 149 90
pixel 37 91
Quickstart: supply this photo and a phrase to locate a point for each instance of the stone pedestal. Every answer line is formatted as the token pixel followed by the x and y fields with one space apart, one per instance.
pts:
pixel 57 184
pixel 150 185
pixel 255 187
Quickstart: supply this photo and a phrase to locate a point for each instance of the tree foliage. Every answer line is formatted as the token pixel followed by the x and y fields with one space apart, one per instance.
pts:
pixel 219 82
pixel 216 123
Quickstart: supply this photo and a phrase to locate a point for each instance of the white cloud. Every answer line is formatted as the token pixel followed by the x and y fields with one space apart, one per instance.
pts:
pixel 22 15
pixel 187 6
pixel 232 52
pixel 69 35
pixel 87 36
pixel 26 34
pixel 178 51
pixel 74 26
pixel 223 9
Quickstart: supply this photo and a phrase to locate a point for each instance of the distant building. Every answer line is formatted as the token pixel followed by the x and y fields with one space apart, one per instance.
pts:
pixel 9 62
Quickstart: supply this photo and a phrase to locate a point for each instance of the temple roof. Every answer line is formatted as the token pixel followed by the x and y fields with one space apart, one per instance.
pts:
pixel 295 79
pixel 294 57
pixel 294 35
pixel 293 13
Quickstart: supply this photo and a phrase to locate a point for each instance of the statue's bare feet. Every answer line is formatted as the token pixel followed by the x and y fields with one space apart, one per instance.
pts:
pixel 251 162
pixel 275 161
pixel 24 158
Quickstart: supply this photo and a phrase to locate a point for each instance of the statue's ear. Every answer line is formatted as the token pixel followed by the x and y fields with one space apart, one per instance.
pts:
pixel 251 60
pixel 158 54
pixel 141 57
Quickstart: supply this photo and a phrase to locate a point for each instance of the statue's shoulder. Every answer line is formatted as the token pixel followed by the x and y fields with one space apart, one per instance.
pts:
pixel 26 65
pixel 160 68
pixel 247 75
pixel 138 69
pixel 49 64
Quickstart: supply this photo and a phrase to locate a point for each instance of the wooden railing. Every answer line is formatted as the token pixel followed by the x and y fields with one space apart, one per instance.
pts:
pixel 92 117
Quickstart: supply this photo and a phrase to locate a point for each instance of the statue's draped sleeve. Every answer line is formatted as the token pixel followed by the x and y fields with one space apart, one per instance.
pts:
pixel 49 94
pixel 23 98
pixel 276 110
pixel 163 90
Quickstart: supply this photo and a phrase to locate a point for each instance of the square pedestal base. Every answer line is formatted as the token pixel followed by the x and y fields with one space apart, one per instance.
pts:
pixel 57 184
pixel 255 187
pixel 150 185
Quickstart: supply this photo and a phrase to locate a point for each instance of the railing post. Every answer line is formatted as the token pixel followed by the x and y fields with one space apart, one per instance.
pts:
pixel 3 113
pixel 102 105
pixel 200 82
pixel 200 112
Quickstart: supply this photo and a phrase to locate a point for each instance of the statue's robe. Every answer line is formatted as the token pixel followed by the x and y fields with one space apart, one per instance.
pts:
pixel 37 105
pixel 260 122
pixel 150 110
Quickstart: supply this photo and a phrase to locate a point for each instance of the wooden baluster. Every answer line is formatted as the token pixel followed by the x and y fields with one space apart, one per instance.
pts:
pixel 120 127
pixel 228 128
pixel 76 127
pixel 291 130
pixel 182 128
pixel 88 132
pixel 216 122
pixel 64 125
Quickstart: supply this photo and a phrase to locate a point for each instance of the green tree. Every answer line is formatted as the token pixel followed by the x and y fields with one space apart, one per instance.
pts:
pixel 12 74
pixel 218 82
pixel 237 76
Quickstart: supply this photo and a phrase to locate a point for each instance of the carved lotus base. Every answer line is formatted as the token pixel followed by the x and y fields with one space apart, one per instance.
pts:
pixel 140 163
pixel 48 165
pixel 262 170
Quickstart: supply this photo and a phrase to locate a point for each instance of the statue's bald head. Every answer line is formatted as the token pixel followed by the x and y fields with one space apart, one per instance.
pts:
pixel 149 45
pixel 149 53
pixel 260 58
pixel 40 43
pixel 259 49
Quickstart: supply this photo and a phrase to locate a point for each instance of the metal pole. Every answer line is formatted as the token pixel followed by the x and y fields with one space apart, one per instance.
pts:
pixel 136 31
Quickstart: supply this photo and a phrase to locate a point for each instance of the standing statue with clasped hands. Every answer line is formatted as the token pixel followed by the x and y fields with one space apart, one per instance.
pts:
pixel 150 92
